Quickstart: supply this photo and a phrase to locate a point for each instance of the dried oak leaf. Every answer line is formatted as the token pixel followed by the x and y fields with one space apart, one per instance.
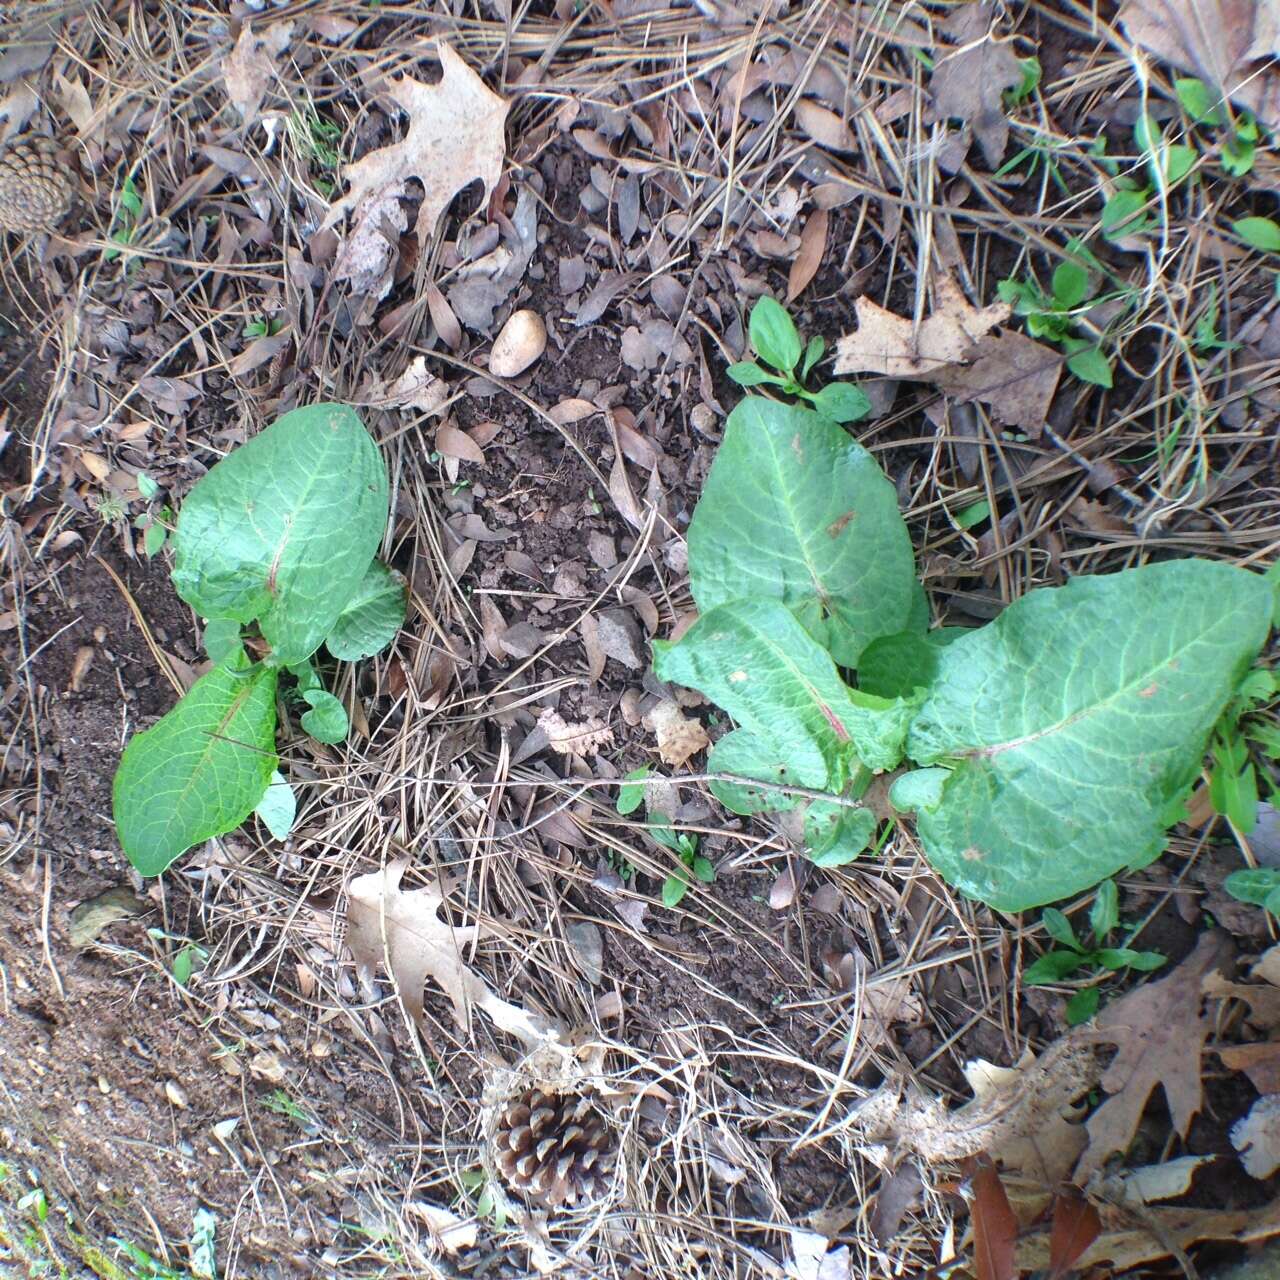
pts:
pixel 969 82
pixel 585 739
pixel 1014 375
pixel 401 930
pixel 1257 1137
pixel 1160 1034
pixel 893 345
pixel 678 736
pixel 456 135
pixel 1233 44
pixel 1133 1235
pixel 248 69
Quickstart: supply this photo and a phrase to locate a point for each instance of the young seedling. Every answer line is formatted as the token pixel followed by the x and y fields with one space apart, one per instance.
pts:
pixel 777 342
pixel 1094 702
pixel 683 844
pixel 1258 886
pixel 1073 955
pixel 1238 135
pixel 1233 778
pixel 275 548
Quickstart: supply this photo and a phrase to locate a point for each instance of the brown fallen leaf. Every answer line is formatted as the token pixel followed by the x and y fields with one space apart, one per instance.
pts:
pixel 813 244
pixel 968 83
pixel 678 736
pixel 401 930
pixel 1260 1062
pixel 456 135
pixel 995 1229
pixel 248 69
pixel 1257 1137
pixel 89 919
pixel 892 345
pixel 1133 1235
pixel 1160 1034
pixel 1230 44
pixel 1076 1226
pixel 1013 374
pixel 585 739
pixel 416 389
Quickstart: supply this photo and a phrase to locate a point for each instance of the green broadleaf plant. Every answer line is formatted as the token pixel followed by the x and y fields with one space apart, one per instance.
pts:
pixel 1055 746
pixel 282 534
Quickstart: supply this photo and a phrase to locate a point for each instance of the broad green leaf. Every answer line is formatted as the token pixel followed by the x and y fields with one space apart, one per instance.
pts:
pixel 894 666
pixel 836 834
pixel 918 789
pixel 755 660
pixel 774 335
pixel 278 807
pixel 746 373
pixel 747 756
pixel 327 720
pixel 200 770
pixel 1233 786
pixel 703 869
pixel 1259 233
pixel 1075 724
pixel 372 617
pixel 284 527
pixel 1253 885
pixel 221 635
pixel 842 402
pixel 795 510
pixel 306 675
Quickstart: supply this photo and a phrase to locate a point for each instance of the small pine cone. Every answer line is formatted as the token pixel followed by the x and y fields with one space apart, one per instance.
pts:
pixel 35 187
pixel 555 1148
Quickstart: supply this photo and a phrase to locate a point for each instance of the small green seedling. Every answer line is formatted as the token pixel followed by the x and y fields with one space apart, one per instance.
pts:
pixel 683 844
pixel 1207 108
pixel 1073 955
pixel 1262 234
pixel 1233 778
pixel 477 1192
pixel 275 548
pixel 1052 748
pixel 264 327
pixel 156 523
pixel 777 342
pixel 1054 315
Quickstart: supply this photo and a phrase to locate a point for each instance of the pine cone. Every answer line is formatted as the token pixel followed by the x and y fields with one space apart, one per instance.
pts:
pixel 35 188
pixel 555 1148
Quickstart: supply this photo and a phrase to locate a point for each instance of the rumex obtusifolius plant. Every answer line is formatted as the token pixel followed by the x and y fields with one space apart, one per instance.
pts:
pixel 1053 747
pixel 280 535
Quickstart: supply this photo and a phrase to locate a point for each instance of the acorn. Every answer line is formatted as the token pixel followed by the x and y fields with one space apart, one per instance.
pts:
pixel 36 189
pixel 555 1147
pixel 518 344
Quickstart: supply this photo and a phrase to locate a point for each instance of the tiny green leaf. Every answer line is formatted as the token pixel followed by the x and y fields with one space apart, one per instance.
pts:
pixel 1070 285
pixel 674 887
pixel 1123 214
pixel 153 539
pixel 1059 928
pixel 327 720
pixel 372 617
pixel 147 487
pixel 774 335
pixel 1090 365
pixel 1253 885
pixel 183 963
pixel 1105 912
pixel 746 373
pixel 631 792
pixel 973 514
pixel 1199 102
pixel 1146 961
pixel 278 807
pixel 841 402
pixel 1259 233
pixel 835 835
pixel 1083 1005
pixel 918 789
pixel 201 769
pixel 812 354
pixel 703 869
pixel 1053 966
